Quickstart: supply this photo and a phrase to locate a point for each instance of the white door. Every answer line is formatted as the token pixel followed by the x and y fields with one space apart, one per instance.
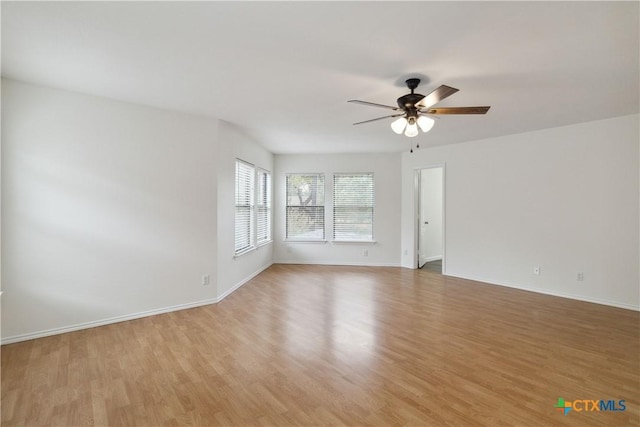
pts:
pixel 430 215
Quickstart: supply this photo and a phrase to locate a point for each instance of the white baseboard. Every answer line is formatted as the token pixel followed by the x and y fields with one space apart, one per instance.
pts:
pixel 108 321
pixel 332 262
pixel 552 293
pixel 124 318
pixel 242 282
pixel 117 319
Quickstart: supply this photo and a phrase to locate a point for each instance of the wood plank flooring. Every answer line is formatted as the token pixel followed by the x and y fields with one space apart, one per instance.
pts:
pixel 325 345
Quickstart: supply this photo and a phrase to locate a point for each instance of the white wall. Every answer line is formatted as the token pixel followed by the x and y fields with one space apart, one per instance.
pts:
pixel 386 170
pixel 564 199
pixel 234 271
pixel 112 210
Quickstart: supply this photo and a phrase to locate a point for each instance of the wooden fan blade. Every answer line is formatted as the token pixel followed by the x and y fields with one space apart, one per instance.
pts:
pixel 379 118
pixel 436 96
pixel 373 104
pixel 457 110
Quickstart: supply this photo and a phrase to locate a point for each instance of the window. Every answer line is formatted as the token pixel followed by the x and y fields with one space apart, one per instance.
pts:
pixel 305 207
pixel 253 207
pixel 264 207
pixel 244 225
pixel 353 200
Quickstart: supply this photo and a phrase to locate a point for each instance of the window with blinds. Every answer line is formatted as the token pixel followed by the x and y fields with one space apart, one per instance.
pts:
pixel 305 207
pixel 263 207
pixel 244 224
pixel 353 203
pixel 253 207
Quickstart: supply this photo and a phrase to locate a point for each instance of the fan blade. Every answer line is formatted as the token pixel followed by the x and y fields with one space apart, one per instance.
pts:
pixel 379 118
pixel 436 96
pixel 373 104
pixel 457 110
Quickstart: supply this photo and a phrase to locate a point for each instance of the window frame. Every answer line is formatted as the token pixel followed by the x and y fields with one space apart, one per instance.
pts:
pixel 356 206
pixel 267 206
pixel 254 195
pixel 320 209
pixel 243 192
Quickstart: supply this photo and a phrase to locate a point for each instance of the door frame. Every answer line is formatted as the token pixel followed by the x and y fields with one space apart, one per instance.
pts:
pixel 416 212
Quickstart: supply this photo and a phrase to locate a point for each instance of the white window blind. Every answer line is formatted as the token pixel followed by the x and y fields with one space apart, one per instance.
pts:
pixel 305 207
pixel 353 202
pixel 263 222
pixel 244 224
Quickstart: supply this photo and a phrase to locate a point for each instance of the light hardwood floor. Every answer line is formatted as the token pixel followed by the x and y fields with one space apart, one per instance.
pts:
pixel 318 345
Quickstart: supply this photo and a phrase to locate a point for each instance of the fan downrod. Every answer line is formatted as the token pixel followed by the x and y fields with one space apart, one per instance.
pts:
pixel 412 83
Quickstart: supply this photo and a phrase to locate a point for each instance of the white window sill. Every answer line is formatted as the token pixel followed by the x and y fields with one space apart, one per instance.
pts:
pixel 244 252
pixel 304 241
pixel 357 242
pixel 252 248
pixel 266 242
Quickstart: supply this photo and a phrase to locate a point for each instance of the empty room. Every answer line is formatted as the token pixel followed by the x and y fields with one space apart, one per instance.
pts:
pixel 320 213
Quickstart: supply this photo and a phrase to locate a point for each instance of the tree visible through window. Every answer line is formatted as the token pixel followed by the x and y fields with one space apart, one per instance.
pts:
pixel 353 201
pixel 305 207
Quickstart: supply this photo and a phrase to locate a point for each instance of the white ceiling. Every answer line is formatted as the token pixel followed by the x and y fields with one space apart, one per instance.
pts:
pixel 284 70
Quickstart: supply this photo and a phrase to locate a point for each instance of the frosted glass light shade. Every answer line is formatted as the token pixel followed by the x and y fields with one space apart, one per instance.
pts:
pixel 398 125
pixel 412 130
pixel 425 123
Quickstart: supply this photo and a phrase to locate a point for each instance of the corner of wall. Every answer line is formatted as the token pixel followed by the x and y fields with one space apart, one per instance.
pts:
pixel 233 272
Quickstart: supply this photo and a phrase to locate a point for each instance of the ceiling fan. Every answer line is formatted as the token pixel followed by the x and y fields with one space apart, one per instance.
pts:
pixel 414 109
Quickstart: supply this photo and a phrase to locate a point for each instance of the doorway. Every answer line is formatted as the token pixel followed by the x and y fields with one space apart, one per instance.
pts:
pixel 430 218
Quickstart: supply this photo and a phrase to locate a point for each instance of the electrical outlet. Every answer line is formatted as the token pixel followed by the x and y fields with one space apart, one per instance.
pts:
pixel 580 276
pixel 365 252
pixel 536 270
pixel 206 280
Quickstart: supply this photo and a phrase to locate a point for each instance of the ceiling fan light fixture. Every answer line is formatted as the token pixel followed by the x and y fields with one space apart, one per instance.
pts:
pixel 425 123
pixel 415 112
pixel 398 125
pixel 412 130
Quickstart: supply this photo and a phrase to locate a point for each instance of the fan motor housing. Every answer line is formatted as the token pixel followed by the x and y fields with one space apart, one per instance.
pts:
pixel 409 100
